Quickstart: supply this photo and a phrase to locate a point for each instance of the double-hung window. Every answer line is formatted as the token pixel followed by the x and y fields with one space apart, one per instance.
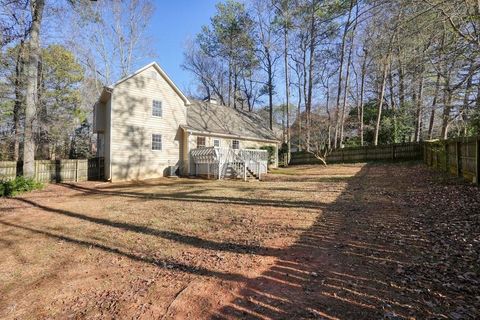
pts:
pixel 235 144
pixel 156 142
pixel 216 143
pixel 201 142
pixel 157 108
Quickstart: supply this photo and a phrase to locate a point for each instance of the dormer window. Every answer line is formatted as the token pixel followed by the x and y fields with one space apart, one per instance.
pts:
pixel 157 108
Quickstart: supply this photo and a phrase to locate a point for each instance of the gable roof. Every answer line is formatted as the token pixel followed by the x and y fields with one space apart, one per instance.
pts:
pixel 162 73
pixel 208 118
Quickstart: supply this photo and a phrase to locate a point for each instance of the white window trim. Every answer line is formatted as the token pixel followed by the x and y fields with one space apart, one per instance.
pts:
pixel 161 142
pixel 219 143
pixel 161 109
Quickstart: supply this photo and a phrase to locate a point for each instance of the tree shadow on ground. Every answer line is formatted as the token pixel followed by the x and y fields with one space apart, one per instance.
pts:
pixel 162 263
pixel 344 266
pixel 168 235
pixel 338 269
pixel 190 196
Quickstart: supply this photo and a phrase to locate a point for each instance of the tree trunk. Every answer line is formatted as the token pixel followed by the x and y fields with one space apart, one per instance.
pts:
pixel 347 77
pixel 418 125
pixel 401 85
pixel 340 74
pixel 31 99
pixel 446 113
pixel 434 105
pixel 393 104
pixel 466 100
pixel 327 94
pixel 230 83
pixel 447 108
pixel 235 86
pixel 17 108
pixel 311 65
pixel 270 92
pixel 380 102
pixel 362 93
pixel 287 86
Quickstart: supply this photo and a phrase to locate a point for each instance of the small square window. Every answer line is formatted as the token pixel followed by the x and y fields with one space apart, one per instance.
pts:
pixel 156 142
pixel 156 108
pixel 235 144
pixel 216 143
pixel 201 142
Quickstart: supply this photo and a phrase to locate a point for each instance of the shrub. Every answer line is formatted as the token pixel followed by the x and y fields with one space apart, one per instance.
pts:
pixel 18 185
pixel 271 153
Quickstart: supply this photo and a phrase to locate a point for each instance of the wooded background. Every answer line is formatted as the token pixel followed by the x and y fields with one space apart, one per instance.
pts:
pixel 324 73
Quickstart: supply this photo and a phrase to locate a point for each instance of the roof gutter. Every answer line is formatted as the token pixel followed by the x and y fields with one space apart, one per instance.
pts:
pixel 226 135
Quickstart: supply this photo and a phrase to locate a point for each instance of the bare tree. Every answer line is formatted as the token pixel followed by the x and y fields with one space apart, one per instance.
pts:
pixel 110 37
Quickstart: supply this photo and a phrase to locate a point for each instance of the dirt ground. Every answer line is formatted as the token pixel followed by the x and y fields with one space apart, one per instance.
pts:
pixel 377 241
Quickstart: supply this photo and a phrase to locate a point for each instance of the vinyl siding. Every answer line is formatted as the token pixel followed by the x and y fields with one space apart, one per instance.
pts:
pixel 133 126
pixel 107 139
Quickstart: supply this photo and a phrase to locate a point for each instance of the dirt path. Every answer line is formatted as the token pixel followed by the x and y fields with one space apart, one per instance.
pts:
pixel 346 242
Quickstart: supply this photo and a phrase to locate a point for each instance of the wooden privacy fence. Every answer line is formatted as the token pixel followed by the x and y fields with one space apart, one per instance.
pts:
pixel 391 152
pixel 458 157
pixel 57 170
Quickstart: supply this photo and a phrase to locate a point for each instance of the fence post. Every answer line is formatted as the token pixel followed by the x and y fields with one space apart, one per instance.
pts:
pixel 98 169
pixel 447 160
pixel 35 175
pixel 76 170
pixel 457 156
pixel 393 151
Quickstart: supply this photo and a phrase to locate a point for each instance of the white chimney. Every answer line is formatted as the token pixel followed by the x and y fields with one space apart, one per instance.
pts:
pixel 210 100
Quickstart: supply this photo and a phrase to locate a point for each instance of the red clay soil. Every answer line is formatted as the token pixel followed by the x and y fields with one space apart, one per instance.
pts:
pixel 385 241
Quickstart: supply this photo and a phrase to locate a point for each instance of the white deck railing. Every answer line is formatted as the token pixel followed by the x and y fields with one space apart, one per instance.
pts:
pixel 217 162
pixel 255 160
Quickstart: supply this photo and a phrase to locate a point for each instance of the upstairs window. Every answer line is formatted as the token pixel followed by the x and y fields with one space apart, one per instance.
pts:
pixel 201 142
pixel 156 142
pixel 235 144
pixel 156 108
pixel 216 143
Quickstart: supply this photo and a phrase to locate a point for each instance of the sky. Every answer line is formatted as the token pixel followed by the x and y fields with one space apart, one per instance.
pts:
pixel 173 23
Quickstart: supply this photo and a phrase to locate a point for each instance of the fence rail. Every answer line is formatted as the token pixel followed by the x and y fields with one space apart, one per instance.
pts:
pixel 57 170
pixel 391 152
pixel 458 157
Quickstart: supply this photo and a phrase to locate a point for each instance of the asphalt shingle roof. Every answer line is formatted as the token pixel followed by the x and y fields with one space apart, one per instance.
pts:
pixel 217 118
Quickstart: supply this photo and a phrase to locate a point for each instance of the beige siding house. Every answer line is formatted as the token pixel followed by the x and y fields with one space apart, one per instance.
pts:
pixel 147 127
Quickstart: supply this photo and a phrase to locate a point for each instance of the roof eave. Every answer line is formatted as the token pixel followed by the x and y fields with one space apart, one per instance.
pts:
pixel 227 135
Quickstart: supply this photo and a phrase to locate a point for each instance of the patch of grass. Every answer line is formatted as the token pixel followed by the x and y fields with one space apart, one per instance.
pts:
pixel 287 171
pixel 11 188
